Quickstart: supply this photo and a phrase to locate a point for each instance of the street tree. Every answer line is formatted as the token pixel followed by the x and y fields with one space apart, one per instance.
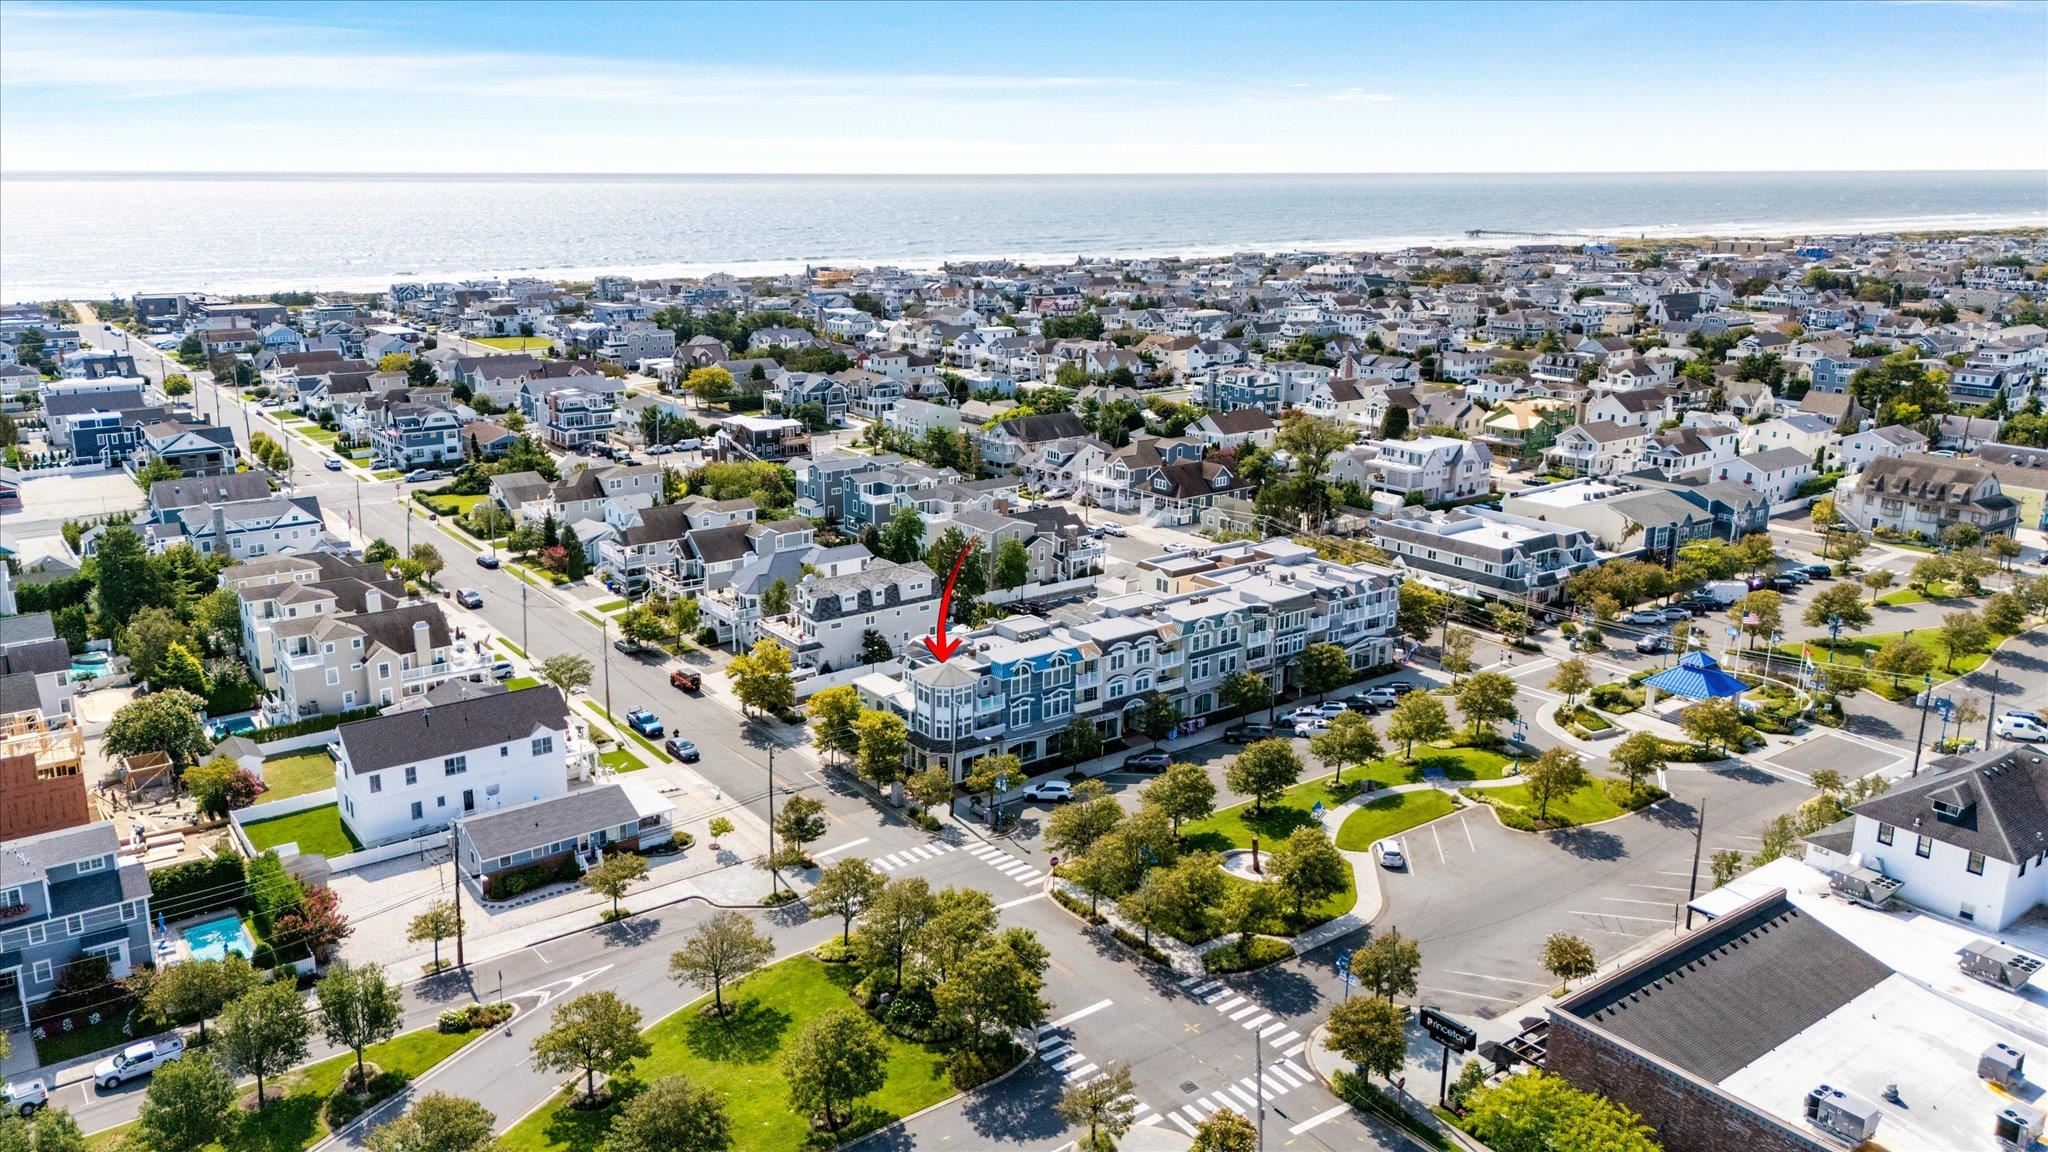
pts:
pixel 1080 741
pixel 1324 667
pixel 1247 908
pixel 1486 699
pixel 435 924
pixel 719 951
pixel 438 1123
pixel 1157 716
pixel 1877 580
pixel 1457 652
pixel 2004 613
pixel 889 927
pixel 429 560
pixel 1182 792
pixel 1758 614
pixel 613 876
pixel 264 1032
pixel 1179 898
pixel 881 744
pixel 1388 965
pixel 1962 634
pixel 1107 1104
pixel 1568 957
pixel 199 989
pixel 990 990
pixel 844 890
pixel 566 671
pixel 1718 724
pixel 839 1057
pixel 1371 1033
pixel 686 616
pixel 1263 771
pixel 358 1007
pixel 595 1032
pixel 1573 680
pixel 1349 739
pixel 1638 757
pixel 1417 716
pixel 671 1115
pixel 642 624
pixel 761 678
pixel 190 1104
pixel 801 822
pixel 961 918
pixel 1226 1131
pixel 1308 868
pixel 930 788
pixel 1838 603
pixel 1557 772
pixel 832 713
pixel 1726 864
pixel 1247 691
pixel 1075 826
pixel 1537 1112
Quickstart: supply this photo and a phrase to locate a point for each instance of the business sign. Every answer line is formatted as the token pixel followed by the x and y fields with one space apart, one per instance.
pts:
pixel 1448 1032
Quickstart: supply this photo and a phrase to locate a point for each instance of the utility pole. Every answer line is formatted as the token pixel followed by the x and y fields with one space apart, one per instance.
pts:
pixel 773 875
pixel 1920 741
pixel 1699 835
pixel 522 621
pixel 455 862
pixel 604 652
pixel 1991 711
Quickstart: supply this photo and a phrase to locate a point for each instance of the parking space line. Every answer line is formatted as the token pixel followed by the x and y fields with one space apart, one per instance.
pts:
pixel 1468 834
pixel 1480 995
pixel 1502 979
pixel 1622 916
pixel 1440 857
pixel 1627 900
pixel 1659 887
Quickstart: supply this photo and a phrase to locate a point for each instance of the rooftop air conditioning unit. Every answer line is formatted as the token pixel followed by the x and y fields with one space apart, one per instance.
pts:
pixel 1841 1114
pixel 2003 1065
pixel 2016 1126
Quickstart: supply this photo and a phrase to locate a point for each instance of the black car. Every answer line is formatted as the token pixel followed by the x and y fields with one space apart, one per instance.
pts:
pixel 1247 732
pixel 1785 585
pixel 1147 761
pixel 1819 572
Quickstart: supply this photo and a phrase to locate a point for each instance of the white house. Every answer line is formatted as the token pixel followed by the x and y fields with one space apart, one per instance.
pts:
pixel 1967 843
pixel 1438 467
pixel 1893 442
pixel 1801 431
pixel 1777 473
pixel 418 770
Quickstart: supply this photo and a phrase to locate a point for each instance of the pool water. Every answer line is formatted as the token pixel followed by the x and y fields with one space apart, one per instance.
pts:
pixel 89 665
pixel 232 726
pixel 214 939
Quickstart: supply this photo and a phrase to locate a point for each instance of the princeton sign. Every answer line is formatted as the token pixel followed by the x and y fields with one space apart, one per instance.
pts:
pixel 1448 1032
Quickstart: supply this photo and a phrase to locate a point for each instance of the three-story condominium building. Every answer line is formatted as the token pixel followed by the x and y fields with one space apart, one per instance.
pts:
pixel 1478 551
pixel 573 412
pixel 1925 495
pixel 416 435
pixel 416 770
pixel 326 664
pixel 830 615
pixel 66 895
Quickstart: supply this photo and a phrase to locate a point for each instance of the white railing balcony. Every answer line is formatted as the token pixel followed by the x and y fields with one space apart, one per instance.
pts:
pixel 462 664
pixel 305 662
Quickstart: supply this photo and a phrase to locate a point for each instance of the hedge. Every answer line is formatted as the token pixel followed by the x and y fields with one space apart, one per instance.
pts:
pixel 520 881
pixel 198 886
pixel 310 725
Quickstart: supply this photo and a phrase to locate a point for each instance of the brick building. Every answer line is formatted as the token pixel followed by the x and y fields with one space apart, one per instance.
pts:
pixel 40 775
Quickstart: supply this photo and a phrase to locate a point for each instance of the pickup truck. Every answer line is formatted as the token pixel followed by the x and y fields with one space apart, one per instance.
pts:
pixel 137 1060
pixel 687 679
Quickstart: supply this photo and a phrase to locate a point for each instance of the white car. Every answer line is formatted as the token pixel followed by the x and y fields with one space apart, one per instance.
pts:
pixel 1110 529
pixel 1390 853
pixel 2026 726
pixel 1050 791
pixel 26 1098
pixel 137 1060
pixel 1384 696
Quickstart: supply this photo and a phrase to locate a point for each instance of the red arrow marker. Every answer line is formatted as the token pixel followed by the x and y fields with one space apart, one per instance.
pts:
pixel 939 645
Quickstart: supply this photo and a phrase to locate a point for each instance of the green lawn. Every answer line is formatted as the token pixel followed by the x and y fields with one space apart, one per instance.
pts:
pixel 316 830
pixel 620 760
pixel 611 607
pixel 518 682
pixel 1455 763
pixel 1390 815
pixel 1288 924
pixel 387 474
pixel 318 434
pixel 1585 806
pixel 83 1039
pixel 294 1118
pixel 297 773
pixel 452 505
pixel 1234 827
pixel 514 343
pixel 1857 652
pixel 514 649
pixel 739 1058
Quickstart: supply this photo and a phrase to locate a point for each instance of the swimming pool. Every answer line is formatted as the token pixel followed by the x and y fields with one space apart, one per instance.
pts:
pixel 216 938
pixel 232 726
pixel 90 665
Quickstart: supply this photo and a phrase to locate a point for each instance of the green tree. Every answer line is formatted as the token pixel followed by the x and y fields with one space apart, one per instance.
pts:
pixel 1572 679
pixel 380 551
pixel 881 744
pixel 438 1123
pixel 1074 827
pixel 1568 957
pixel 1716 724
pixel 889 927
pixel 1324 667
pixel 671 1115
pixel 1308 868
pixel 775 601
pixel 595 1032
pixel 1757 614
pixel 148 639
pixel 182 670
pixel 1417 716
pixel 718 951
pixel 157 469
pixel 1247 692
pixel 1962 634
pixel 832 713
pixel 642 624
pixel 127 579
pixel 1726 864
pixel 166 722
pixel 176 385
pixel 2004 613
pixel 1226 1131
pixel 1107 1104
pixel 199 989
pixel 264 1032
pixel 614 875
pixel 436 924
pixel 1838 601
pixel 902 539
pixel 686 615
pixel 992 988
pixel 1457 652
pixel 801 821
pixel 839 1057
pixel 1388 965
pixel 1421 610
pixel 710 385
pixel 1486 699
pixel 1013 565
pixel 1371 1033
pixel 1394 424
pixel 358 1008
pixel 1157 716
pixel 1182 792
pixel 190 1104
pixel 874 648
pixel 929 788
pixel 1557 772
pixel 1902 659
pixel 761 679
pixel 217 785
pixel 1639 756
pixel 1263 771
pixel 566 671
pixel 1349 739
pixel 1535 1112
pixel 844 890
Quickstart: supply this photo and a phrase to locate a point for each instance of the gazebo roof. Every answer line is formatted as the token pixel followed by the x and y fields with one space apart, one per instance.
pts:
pixel 1697 677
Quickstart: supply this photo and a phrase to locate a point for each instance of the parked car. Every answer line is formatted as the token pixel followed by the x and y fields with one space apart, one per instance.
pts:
pixel 469 598
pixel 1644 616
pixel 423 475
pixel 1676 614
pixel 1402 687
pixel 687 679
pixel 690 445
pixel 487 560
pixel 1797 574
pixel 1308 723
pixel 1381 696
pixel 1175 546
pixel 137 1060
pixel 645 723
pixel 1654 643
pixel 2023 726
pixel 1819 572
pixel 1361 704
pixel 684 750
pixel 1390 853
pixel 659 449
pixel 1248 731
pixel 1050 791
pixel 1111 528
pixel 332 463
pixel 1147 761
pixel 1326 711
pixel 27 1098
pixel 628 646
pixel 1785 585
pixel 501 670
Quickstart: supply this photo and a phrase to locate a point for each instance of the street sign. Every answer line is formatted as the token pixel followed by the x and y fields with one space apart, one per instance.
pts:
pixel 1344 962
pixel 1317 811
pixel 1944 706
pixel 1448 1032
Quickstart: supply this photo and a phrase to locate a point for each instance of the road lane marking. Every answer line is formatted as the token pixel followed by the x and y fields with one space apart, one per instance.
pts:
pixel 1020 900
pixel 1070 1017
pixel 1319 1118
pixel 1502 979
pixel 1479 995
pixel 1621 916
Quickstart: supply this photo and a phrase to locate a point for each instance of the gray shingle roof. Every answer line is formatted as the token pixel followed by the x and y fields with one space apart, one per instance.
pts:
pixel 29 858
pixel 542 822
pixel 2002 800
pixel 408 737
pixel 27 627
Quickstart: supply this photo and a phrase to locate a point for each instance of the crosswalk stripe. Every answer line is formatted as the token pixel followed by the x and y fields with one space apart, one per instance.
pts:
pixel 1227 1005
pixel 1266 1033
pixel 1029 876
pixel 1082 1071
pixel 1206 988
pixel 1195 1113
pixel 1287 1037
pixel 1189 981
pixel 1291 1053
pixel 1275 1086
pixel 1287 1063
pixel 980 849
pixel 1149 1121
pixel 1281 1073
pixel 1213 997
pixel 1184 1125
pixel 1043 1029
pixel 1242 1012
pixel 1255 1021
pixel 1056 1053
pixel 1067 1061
pixel 1251 1100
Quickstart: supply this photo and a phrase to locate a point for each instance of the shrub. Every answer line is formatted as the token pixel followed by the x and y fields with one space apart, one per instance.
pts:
pixel 198 886
pixel 1136 943
pixel 1076 905
pixel 1615 698
pixel 707 636
pixel 312 724
pixel 1258 952
pixel 520 881
pixel 1632 800
pixel 971 1067
pixel 273 892
pixel 472 1016
pixel 347 1103
pixel 912 1013
pixel 833 951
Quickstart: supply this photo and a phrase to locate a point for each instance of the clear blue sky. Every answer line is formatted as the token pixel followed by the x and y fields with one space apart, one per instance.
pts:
pixel 1023 88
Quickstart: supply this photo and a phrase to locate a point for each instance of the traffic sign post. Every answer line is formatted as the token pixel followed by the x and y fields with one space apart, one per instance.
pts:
pixel 1454 1036
pixel 1344 973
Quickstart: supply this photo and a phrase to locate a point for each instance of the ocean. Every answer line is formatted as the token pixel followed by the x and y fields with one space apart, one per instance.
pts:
pixel 97 235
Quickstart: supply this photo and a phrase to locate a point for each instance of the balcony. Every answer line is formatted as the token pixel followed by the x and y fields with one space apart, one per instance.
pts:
pixel 462 664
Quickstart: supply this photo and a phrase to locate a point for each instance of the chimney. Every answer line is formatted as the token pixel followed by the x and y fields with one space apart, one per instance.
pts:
pixel 373 600
pixel 220 530
pixel 422 644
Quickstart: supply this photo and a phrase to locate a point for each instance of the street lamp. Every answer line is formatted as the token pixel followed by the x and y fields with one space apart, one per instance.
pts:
pixel 1920 741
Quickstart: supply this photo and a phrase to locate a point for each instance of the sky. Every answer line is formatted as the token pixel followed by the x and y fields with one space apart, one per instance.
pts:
pixel 1022 88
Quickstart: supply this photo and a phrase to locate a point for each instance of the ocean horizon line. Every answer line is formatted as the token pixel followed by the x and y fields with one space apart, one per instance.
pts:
pixel 514 174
